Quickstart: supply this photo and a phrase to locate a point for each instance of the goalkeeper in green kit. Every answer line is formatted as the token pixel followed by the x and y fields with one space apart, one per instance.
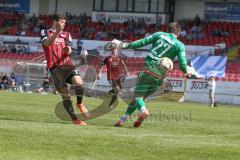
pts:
pixel 165 47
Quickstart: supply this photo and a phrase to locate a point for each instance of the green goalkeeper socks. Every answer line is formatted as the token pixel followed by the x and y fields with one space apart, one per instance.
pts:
pixel 140 104
pixel 131 108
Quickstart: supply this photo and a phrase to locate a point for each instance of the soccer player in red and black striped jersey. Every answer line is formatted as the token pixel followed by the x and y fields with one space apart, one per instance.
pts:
pixel 113 63
pixel 57 48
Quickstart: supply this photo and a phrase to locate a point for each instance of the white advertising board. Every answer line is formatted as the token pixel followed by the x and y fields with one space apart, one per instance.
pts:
pixel 174 84
pixel 121 17
pixel 226 92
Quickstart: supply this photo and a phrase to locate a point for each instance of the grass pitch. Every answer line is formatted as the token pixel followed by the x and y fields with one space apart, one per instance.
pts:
pixel 29 130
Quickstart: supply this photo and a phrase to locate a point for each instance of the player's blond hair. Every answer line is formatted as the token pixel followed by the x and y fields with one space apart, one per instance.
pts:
pixel 174 28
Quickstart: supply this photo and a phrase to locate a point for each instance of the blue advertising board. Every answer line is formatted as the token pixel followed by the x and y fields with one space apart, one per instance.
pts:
pixel 21 6
pixel 222 11
pixel 233 11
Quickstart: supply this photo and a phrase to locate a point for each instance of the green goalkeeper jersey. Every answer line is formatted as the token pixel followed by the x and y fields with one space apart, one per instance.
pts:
pixel 163 45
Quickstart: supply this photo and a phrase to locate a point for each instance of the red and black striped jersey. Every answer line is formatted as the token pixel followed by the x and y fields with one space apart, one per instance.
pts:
pixel 54 52
pixel 113 67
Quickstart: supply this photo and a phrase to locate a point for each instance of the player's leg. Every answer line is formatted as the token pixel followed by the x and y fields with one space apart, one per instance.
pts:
pixel 133 105
pixel 212 98
pixel 58 77
pixel 69 108
pixel 146 85
pixel 79 91
pixel 116 84
pixel 67 102
pixel 130 110
pixel 140 104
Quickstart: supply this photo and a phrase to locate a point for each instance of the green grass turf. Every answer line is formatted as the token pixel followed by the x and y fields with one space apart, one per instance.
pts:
pixel 29 130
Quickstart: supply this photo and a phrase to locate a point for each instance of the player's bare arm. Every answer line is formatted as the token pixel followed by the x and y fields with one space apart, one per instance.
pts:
pixel 99 71
pixel 124 66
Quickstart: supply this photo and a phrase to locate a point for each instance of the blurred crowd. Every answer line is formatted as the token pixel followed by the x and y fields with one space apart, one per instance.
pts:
pixel 8 82
pixel 81 26
pixel 13 48
pixel 197 30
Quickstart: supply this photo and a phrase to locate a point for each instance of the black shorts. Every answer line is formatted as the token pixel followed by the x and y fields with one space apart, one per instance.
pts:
pixel 62 75
pixel 115 83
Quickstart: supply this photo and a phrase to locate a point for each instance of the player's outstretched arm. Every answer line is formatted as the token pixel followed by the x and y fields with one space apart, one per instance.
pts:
pixel 141 42
pixel 99 70
pixel 182 58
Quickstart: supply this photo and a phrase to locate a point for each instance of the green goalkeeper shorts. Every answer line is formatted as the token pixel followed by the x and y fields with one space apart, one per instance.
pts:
pixel 147 84
pixel 150 80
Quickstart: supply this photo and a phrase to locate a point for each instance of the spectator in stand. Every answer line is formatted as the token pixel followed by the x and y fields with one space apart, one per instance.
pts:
pixel 13 48
pixel 3 49
pixel 5 22
pixel 5 81
pixel 183 33
pixel 23 33
pixel 19 49
pixel 195 29
pixel 189 36
pixel 216 32
pixel 200 35
pixel 147 34
pixel 45 85
pixel 197 20
pixel 33 19
pixel 41 26
pixel 141 22
pixel 28 51
pixel 36 29
pixel 108 22
pixel 141 31
pixel 13 82
pixel 222 47
pixel 226 32
pixel 121 33
pixel 1 75
pixel 98 35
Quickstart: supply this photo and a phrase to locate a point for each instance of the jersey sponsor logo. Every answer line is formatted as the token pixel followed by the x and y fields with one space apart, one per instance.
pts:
pixel 59 40
pixel 114 64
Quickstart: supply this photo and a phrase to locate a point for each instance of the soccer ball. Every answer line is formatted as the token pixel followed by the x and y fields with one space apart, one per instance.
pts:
pixel 165 64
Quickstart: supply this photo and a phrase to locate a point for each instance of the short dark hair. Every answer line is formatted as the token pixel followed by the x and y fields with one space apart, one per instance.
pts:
pixel 174 28
pixel 57 17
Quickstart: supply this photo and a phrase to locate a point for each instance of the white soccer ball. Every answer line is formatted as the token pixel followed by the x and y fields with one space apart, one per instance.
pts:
pixel 165 64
